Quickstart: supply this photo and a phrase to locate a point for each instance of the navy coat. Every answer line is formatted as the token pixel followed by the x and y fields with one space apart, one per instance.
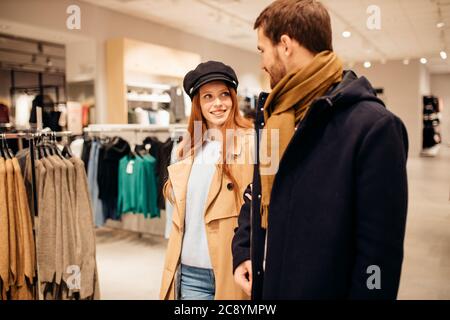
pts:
pixel 338 204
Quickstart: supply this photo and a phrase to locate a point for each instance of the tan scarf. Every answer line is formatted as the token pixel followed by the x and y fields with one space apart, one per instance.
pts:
pixel 287 105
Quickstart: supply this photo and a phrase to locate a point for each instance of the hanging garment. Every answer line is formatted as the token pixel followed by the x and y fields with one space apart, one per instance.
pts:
pixel 108 168
pixel 85 238
pixel 23 107
pixel 137 186
pixel 77 147
pixel 4 234
pixel 87 145
pixel 24 231
pixel 50 115
pixel 4 113
pixel 169 206
pixel 65 230
pixel 161 151
pixel 11 224
pixel 97 209
pixel 17 250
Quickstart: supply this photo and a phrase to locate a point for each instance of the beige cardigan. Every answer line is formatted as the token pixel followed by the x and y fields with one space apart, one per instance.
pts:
pixel 4 233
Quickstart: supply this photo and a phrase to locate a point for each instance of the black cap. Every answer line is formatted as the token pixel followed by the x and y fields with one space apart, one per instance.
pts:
pixel 207 72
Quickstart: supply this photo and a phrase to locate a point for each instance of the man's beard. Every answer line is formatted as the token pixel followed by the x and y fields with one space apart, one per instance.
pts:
pixel 277 72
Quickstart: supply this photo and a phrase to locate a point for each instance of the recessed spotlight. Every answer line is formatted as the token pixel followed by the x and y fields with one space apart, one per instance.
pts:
pixel 406 62
pixel 346 34
pixel 443 55
pixel 383 61
pixel 367 64
pixel 423 60
pixel 440 25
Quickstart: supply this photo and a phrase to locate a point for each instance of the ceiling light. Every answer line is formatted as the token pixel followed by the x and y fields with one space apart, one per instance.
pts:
pixel 383 61
pixel 406 61
pixel 367 64
pixel 423 60
pixel 440 25
pixel 346 34
pixel 443 55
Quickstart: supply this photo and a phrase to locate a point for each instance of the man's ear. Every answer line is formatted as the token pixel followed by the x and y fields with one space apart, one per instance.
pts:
pixel 286 44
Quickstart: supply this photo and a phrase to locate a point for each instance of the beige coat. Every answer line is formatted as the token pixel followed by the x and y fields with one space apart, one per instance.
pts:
pixel 221 218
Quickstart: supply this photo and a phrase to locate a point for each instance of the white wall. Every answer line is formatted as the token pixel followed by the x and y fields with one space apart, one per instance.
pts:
pixel 403 88
pixel 80 61
pixel 101 24
pixel 440 87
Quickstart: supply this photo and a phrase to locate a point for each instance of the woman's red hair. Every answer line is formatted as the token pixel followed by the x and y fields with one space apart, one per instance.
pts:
pixel 235 121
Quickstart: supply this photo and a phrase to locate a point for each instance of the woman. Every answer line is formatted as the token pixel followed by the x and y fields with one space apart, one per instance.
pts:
pixel 206 188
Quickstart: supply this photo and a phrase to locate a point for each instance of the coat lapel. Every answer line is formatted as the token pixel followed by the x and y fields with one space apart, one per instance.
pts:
pixel 216 183
pixel 179 177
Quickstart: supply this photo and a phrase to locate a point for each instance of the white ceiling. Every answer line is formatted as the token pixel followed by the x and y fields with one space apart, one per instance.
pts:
pixel 408 27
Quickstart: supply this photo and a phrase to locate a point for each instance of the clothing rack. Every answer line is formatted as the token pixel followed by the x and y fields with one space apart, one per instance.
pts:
pixel 134 135
pixel 110 128
pixel 31 137
pixel 173 130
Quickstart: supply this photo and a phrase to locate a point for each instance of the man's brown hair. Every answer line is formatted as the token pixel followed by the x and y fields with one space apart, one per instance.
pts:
pixel 306 21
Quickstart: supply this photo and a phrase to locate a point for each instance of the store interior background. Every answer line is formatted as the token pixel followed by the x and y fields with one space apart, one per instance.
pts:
pixel 148 40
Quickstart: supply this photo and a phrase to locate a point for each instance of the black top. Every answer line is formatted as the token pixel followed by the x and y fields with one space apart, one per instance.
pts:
pixel 86 152
pixel 161 151
pixel 108 168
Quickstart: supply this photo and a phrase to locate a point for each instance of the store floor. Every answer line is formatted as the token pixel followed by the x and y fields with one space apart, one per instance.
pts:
pixel 130 266
pixel 426 265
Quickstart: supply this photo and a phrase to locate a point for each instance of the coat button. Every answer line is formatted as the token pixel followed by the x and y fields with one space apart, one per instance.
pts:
pixel 230 186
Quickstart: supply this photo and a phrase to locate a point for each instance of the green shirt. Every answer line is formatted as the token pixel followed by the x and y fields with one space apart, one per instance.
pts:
pixel 138 191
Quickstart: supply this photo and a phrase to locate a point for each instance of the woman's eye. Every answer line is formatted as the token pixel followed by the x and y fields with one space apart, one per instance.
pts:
pixel 207 96
pixel 226 94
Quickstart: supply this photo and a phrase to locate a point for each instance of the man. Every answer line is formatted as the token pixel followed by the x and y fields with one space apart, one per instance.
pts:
pixel 330 222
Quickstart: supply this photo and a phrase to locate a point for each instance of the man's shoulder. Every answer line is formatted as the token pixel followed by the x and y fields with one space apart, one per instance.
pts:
pixel 366 114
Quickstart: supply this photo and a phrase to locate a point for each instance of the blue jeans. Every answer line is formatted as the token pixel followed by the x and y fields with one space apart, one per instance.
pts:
pixel 197 283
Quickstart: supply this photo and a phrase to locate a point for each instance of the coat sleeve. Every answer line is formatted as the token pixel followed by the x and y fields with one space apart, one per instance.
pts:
pixel 241 239
pixel 381 208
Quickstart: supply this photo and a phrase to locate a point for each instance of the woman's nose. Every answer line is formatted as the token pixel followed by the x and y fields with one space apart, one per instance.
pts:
pixel 217 102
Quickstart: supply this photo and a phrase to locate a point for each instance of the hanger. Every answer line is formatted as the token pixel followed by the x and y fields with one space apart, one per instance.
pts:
pixel 54 146
pixel 67 152
pixel 40 147
pixel 141 150
pixel 7 153
pixel 2 153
